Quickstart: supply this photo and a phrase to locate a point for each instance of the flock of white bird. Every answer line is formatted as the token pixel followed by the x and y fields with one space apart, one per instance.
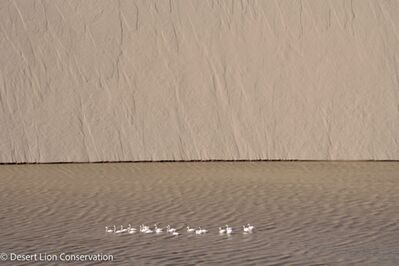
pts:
pixel 246 229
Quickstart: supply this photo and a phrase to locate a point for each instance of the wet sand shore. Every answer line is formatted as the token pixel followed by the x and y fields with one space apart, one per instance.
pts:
pixel 333 213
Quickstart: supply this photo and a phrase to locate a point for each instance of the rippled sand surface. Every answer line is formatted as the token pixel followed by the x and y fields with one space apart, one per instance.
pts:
pixel 305 213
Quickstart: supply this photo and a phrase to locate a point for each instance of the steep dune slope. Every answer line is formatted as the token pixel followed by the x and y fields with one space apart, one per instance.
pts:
pixel 198 80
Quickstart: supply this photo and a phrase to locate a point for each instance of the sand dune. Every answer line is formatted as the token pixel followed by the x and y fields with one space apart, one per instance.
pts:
pixel 305 213
pixel 198 80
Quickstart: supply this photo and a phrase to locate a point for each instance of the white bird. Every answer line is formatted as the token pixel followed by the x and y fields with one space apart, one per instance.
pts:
pixel 123 229
pixel 131 230
pixel 200 231
pixel 108 230
pixel 229 230
pixel 221 230
pixel 157 230
pixel 190 230
pixel 251 227
pixel 144 228
pixel 170 230
pixel 175 233
pixel 246 229
pixel 120 230
pixel 148 231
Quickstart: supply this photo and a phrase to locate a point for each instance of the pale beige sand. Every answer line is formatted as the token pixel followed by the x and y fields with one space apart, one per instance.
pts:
pixel 187 80
pixel 305 212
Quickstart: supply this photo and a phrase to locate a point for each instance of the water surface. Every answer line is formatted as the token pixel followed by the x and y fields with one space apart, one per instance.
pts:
pixel 334 213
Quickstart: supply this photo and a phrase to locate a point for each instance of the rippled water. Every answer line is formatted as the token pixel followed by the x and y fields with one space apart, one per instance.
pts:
pixel 334 213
